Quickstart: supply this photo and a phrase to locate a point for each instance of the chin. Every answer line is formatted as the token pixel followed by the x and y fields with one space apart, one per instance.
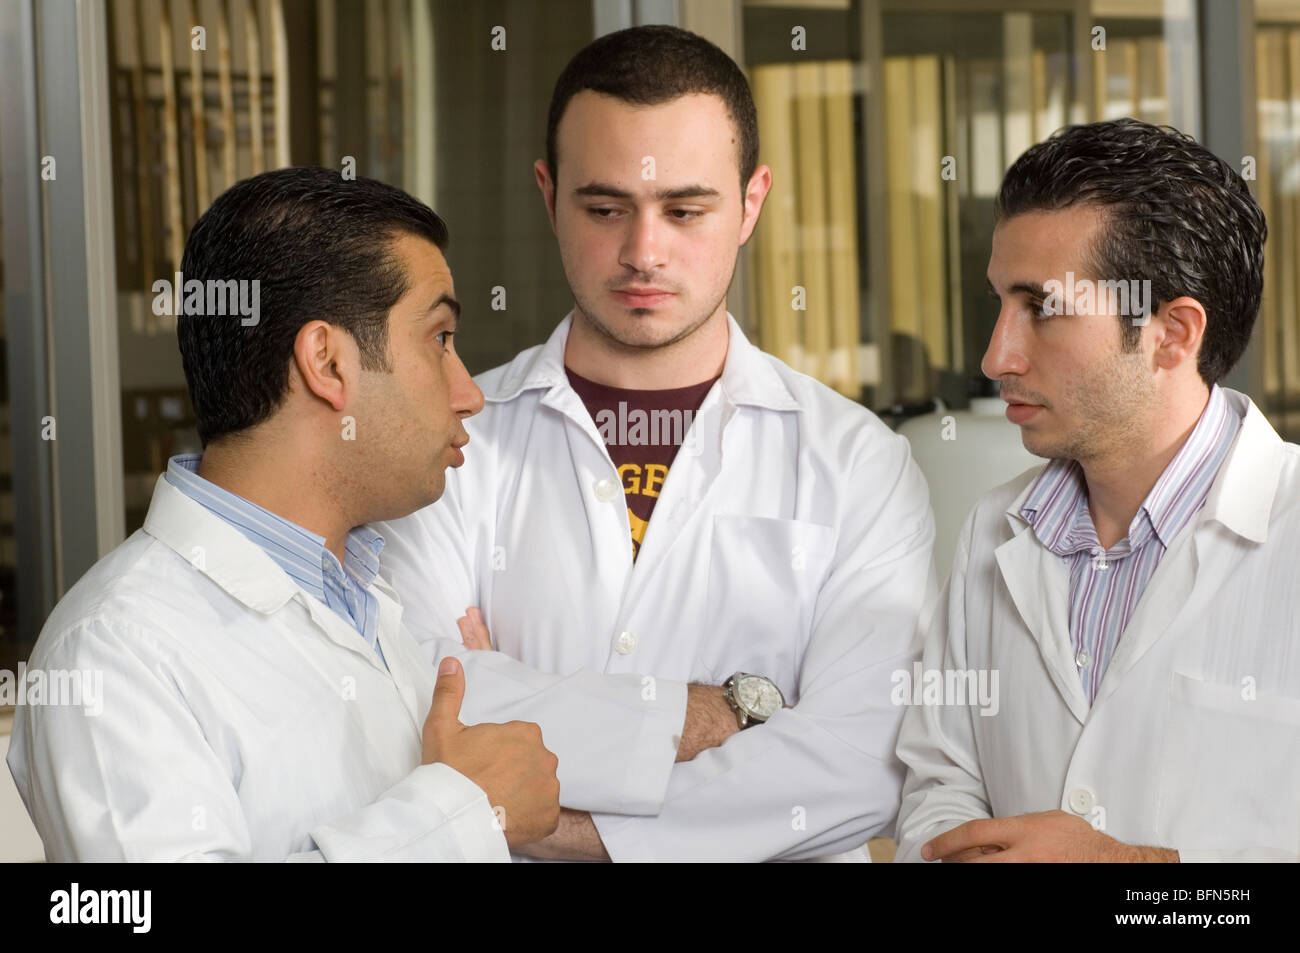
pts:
pixel 1039 446
pixel 652 329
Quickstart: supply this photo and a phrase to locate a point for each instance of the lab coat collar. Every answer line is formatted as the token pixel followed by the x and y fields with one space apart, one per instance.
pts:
pixel 748 376
pixel 1038 582
pixel 216 549
pixel 1241 497
pixel 243 569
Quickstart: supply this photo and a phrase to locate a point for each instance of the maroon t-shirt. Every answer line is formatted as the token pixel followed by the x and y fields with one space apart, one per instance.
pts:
pixel 643 430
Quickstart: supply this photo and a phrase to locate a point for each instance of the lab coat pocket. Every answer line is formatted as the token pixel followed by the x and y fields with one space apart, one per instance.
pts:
pixel 1231 768
pixel 764 577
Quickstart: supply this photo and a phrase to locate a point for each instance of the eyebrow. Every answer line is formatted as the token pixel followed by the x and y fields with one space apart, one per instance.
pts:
pixel 1023 287
pixel 600 189
pixel 451 303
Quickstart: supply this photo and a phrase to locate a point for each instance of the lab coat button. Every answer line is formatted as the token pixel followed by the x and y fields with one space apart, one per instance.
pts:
pixel 1082 800
pixel 625 643
pixel 606 490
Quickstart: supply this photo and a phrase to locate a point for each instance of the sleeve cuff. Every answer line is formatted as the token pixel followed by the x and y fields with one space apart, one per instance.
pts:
pixel 434 814
pixel 623 842
pixel 659 737
pixel 470 819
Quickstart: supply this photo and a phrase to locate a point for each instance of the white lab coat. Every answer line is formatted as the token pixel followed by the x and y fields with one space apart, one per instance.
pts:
pixel 792 538
pixel 241 718
pixel 1193 742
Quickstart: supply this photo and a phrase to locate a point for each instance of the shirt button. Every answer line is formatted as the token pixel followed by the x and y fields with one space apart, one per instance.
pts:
pixel 625 643
pixel 606 490
pixel 1083 659
pixel 1081 800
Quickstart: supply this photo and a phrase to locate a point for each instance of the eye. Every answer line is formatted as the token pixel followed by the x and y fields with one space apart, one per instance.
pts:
pixel 602 212
pixel 685 214
pixel 1036 309
pixel 444 339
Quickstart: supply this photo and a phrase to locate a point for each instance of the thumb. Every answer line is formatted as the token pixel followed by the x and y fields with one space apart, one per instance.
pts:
pixel 448 693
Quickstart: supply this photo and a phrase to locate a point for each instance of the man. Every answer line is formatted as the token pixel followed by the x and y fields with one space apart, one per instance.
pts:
pixel 1138 594
pixel 261 699
pixel 650 496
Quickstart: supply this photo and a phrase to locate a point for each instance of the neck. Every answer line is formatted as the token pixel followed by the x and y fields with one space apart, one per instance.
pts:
pixel 1119 481
pixel 267 469
pixel 697 357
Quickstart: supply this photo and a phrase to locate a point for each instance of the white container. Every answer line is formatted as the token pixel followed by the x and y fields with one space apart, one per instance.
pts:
pixel 964 454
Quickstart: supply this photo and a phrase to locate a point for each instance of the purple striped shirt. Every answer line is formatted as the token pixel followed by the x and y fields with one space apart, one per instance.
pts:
pixel 1105 585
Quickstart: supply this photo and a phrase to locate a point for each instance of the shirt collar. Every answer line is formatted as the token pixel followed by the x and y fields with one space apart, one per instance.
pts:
pixel 1052 506
pixel 748 376
pixel 298 551
pixel 1188 477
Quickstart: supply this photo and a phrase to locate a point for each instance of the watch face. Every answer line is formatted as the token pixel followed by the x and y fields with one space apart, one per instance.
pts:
pixel 758 696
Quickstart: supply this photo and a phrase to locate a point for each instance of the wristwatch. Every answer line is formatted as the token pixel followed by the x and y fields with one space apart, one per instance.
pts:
pixel 754 698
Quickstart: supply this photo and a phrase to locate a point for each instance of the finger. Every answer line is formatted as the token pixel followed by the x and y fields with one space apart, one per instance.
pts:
pixel 481 632
pixel 962 856
pixel 466 627
pixel 474 636
pixel 965 836
pixel 448 693
pixel 996 857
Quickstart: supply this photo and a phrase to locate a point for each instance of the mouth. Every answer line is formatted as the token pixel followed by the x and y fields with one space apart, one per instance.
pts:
pixel 1020 413
pixel 458 458
pixel 642 297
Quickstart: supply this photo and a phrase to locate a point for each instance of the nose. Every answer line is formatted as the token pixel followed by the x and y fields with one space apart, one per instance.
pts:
pixel 1006 350
pixel 466 398
pixel 643 246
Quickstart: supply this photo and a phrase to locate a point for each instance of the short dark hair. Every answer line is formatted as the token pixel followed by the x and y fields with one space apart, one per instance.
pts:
pixel 1177 215
pixel 320 247
pixel 650 65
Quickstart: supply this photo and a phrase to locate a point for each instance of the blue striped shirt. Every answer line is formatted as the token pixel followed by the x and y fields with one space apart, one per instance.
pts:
pixel 300 553
pixel 1105 585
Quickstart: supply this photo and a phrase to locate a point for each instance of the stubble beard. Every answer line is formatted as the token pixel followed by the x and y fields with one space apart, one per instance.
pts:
pixel 619 340
pixel 1112 405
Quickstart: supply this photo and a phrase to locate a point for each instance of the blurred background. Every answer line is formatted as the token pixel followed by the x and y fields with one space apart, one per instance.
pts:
pixel 888 125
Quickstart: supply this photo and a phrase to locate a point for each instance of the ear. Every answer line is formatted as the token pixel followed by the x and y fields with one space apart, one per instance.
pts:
pixel 1181 325
pixel 546 182
pixel 326 359
pixel 755 192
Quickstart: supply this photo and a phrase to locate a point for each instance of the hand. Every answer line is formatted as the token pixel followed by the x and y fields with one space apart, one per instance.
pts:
pixel 473 632
pixel 509 762
pixel 1051 836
